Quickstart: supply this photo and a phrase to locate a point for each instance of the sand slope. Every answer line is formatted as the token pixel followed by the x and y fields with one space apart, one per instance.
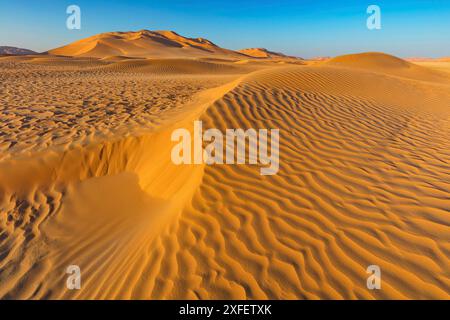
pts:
pixel 175 66
pixel 114 46
pixel 364 179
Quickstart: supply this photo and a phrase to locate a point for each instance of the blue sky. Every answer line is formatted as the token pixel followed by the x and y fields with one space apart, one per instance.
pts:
pixel 304 28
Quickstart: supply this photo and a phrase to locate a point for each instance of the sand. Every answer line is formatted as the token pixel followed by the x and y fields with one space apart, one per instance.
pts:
pixel 264 53
pixel 86 178
pixel 143 44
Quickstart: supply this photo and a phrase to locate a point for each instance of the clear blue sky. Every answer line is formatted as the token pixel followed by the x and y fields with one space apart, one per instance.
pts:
pixel 304 27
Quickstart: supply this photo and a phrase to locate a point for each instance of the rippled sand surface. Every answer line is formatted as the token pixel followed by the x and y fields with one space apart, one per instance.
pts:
pixel 86 179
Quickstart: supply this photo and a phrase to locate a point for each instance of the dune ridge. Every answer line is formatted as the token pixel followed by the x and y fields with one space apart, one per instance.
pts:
pixel 7 50
pixel 43 212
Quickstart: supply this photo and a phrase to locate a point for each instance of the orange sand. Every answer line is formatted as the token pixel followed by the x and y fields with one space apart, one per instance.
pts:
pixel 86 176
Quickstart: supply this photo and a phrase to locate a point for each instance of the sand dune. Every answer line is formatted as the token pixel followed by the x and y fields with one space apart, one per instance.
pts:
pixel 384 63
pixel 117 58
pixel 350 193
pixel 175 66
pixel 143 44
pixel 86 179
pixel 5 50
pixel 264 53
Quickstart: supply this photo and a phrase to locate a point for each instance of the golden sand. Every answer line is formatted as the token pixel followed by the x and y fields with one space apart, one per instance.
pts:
pixel 86 177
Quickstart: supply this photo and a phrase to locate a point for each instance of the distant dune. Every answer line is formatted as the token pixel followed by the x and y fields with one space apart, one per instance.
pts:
pixel 264 53
pixel 426 59
pixel 86 176
pixel 420 59
pixel 320 58
pixel 156 44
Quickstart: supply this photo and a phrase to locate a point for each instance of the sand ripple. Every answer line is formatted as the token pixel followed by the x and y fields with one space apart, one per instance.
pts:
pixel 364 179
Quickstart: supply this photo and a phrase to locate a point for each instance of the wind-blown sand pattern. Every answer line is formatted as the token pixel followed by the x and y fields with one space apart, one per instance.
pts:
pixel 86 178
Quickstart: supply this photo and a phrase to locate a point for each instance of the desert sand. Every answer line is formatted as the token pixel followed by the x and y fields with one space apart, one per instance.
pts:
pixel 143 44
pixel 86 176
